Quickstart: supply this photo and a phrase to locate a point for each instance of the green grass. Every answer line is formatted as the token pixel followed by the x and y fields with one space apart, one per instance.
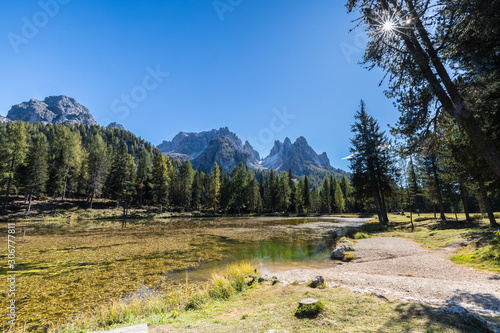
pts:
pixel 476 245
pixel 267 307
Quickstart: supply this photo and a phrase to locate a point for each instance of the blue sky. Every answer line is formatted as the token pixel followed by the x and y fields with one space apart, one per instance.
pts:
pixel 266 69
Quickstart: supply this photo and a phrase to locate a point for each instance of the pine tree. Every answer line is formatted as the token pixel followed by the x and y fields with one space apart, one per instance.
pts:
pixel 160 181
pixel 121 179
pixel 371 166
pixel 306 195
pixel 254 199
pixel 143 172
pixel 186 174
pixel 325 197
pixel 65 158
pixel 339 199
pixel 36 170
pixel 283 192
pixel 13 152
pixel 239 187
pixel 98 167
pixel 196 193
pixel 345 184
pixel 270 193
pixel 292 208
pixel 215 188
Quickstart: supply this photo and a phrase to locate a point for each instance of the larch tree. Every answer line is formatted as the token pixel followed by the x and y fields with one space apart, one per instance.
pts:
pixel 98 167
pixel 160 180
pixel 339 199
pixel 65 156
pixel 36 168
pixel 214 190
pixel 143 172
pixel 13 151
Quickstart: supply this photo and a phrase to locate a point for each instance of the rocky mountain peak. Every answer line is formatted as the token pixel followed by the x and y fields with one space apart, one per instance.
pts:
pixel 116 125
pixel 53 110
pixel 4 120
pixel 205 148
pixel 299 156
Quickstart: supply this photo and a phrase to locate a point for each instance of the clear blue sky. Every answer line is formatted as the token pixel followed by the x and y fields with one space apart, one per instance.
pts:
pixel 227 66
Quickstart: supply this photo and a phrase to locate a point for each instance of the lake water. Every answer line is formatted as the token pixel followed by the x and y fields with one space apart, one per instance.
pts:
pixel 68 268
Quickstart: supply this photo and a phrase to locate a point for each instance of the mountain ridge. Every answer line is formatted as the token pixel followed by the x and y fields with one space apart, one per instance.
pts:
pixel 225 148
pixel 53 109
pixel 201 148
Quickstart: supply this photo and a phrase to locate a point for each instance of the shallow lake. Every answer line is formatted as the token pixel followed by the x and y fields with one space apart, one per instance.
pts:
pixel 68 268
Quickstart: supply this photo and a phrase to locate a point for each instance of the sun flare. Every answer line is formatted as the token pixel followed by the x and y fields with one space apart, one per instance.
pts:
pixel 388 26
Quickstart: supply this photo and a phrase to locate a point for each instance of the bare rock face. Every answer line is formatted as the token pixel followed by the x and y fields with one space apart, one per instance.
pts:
pixel 225 148
pixel 116 125
pixel 300 157
pixel 53 110
pixel 4 120
pixel 205 148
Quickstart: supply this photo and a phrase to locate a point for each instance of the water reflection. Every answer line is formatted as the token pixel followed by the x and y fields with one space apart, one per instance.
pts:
pixel 309 250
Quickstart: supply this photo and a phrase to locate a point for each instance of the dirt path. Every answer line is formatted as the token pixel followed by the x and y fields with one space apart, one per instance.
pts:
pixel 401 268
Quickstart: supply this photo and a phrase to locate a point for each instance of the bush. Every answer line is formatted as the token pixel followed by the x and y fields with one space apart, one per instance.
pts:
pixel 422 219
pixel 478 217
pixel 360 235
pixel 309 311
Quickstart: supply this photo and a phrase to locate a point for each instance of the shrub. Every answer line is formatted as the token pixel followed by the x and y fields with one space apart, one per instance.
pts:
pixel 360 235
pixel 309 311
pixel 422 219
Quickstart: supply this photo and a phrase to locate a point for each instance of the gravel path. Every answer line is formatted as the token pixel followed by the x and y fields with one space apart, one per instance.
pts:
pixel 401 268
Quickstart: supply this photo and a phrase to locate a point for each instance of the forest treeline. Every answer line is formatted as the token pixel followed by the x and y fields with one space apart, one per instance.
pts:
pixel 42 161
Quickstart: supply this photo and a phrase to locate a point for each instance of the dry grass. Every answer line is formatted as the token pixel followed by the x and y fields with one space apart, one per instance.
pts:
pixel 159 307
pixel 273 307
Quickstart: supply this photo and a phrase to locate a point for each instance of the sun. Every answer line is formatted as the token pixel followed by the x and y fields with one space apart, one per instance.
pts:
pixel 388 26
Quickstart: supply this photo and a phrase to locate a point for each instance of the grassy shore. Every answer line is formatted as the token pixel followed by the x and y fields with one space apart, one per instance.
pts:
pixel 474 244
pixel 235 302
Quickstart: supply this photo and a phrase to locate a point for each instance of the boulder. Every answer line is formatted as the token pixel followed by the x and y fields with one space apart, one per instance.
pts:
pixel 317 281
pixel 264 278
pixel 339 252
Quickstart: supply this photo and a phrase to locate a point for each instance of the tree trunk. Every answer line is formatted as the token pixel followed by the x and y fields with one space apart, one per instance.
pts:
pixel 449 96
pixel 29 203
pixel 376 196
pixel 384 208
pixel 64 188
pixel 12 163
pixel 463 194
pixel 437 183
pixel 140 194
pixel 486 202
pixel 480 201
pixel 91 200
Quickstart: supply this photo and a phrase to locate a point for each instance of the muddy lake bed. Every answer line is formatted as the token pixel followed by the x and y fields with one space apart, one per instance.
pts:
pixel 68 268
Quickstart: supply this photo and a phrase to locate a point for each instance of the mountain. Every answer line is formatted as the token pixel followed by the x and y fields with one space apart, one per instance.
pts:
pixel 205 148
pixel 299 156
pixel 4 120
pixel 225 148
pixel 116 126
pixel 53 110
